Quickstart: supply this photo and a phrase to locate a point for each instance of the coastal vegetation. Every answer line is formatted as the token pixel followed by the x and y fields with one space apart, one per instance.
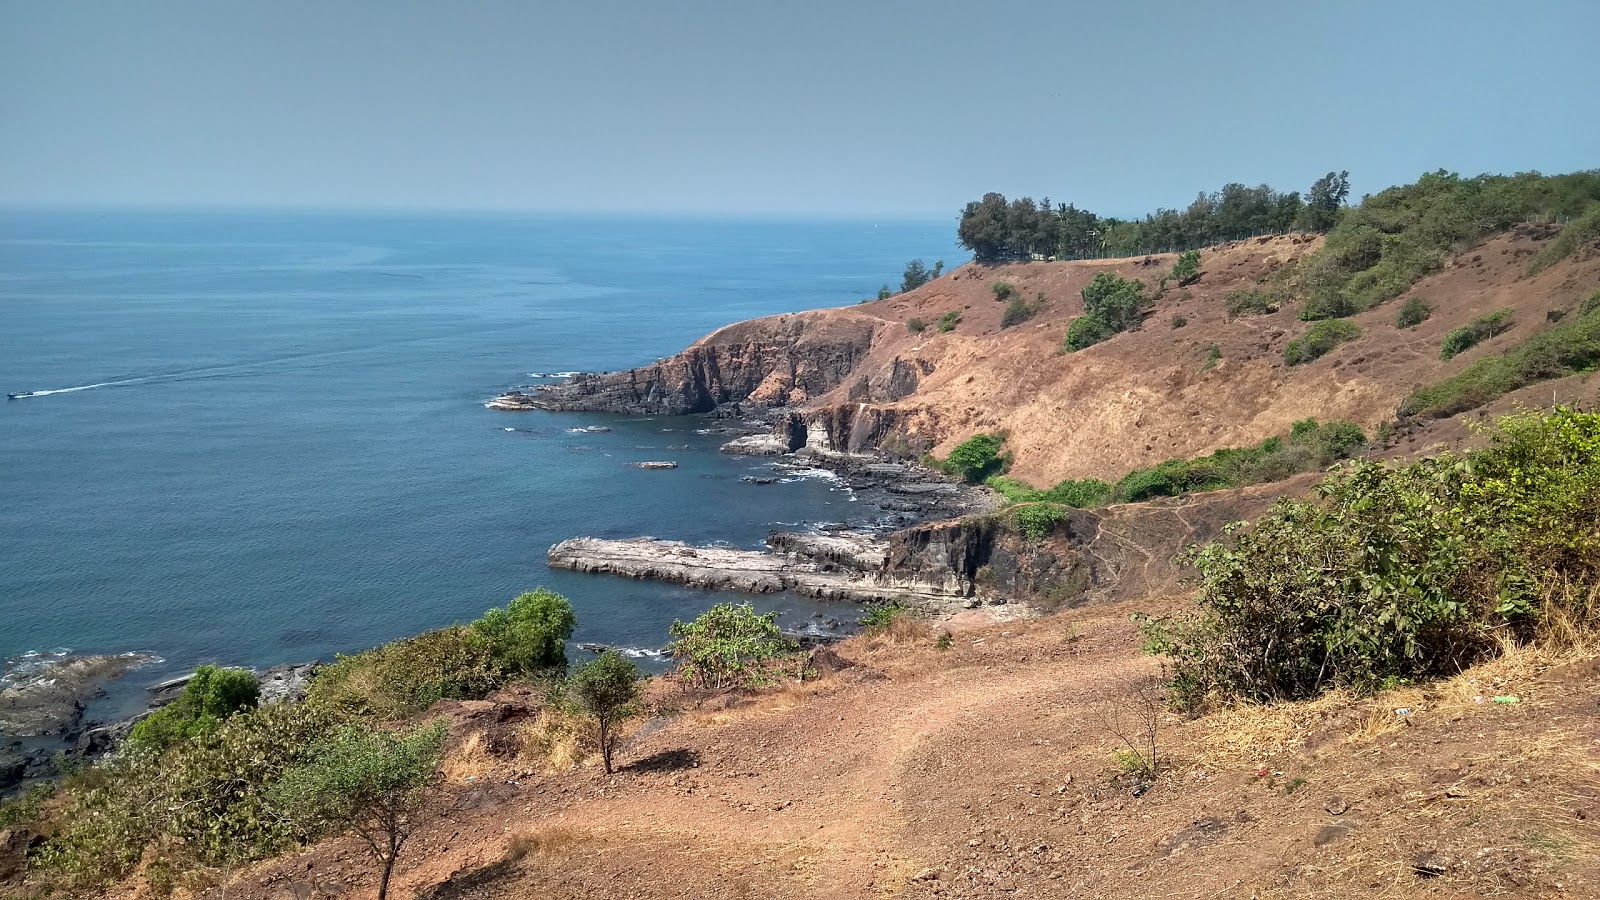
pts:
pixel 1412 313
pixel 607 690
pixel 1423 569
pixel 949 320
pixel 1111 305
pixel 976 458
pixel 998 230
pixel 917 274
pixel 1475 332
pixel 1318 340
pixel 1567 348
pixel 729 645
pixel 212 695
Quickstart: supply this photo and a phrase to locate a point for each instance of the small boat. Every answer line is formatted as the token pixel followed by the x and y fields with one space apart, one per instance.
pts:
pixel 19 395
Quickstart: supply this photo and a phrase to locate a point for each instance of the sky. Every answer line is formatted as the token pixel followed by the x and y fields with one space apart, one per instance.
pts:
pixel 862 108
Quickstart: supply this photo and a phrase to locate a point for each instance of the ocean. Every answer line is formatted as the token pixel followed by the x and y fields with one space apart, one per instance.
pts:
pixel 260 437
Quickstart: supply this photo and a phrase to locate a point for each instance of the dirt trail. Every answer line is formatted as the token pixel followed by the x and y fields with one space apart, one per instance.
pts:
pixel 986 770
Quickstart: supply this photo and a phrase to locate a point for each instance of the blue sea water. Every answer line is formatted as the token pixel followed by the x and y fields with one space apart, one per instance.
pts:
pixel 260 437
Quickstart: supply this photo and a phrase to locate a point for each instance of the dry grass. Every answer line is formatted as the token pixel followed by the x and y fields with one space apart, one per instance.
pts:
pixel 550 843
pixel 557 741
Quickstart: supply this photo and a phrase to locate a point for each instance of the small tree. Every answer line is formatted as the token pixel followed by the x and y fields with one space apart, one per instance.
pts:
pixel 915 325
pixel 607 689
pixel 1003 290
pixel 1187 268
pixel 884 293
pixel 918 274
pixel 370 781
pixel 530 634
pixel 727 645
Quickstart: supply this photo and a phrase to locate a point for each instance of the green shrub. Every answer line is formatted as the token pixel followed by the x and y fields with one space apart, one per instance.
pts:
pixel 1036 521
pixel 879 616
pixel 529 636
pixel 884 293
pixel 1568 348
pixel 1591 304
pixel 1017 312
pixel 1412 313
pixel 1082 493
pixel 917 274
pixel 977 458
pixel 1317 340
pixel 1420 570
pixel 947 322
pixel 25 808
pixel 915 325
pixel 212 695
pixel 1003 290
pixel 1475 332
pixel 1187 268
pixel 1111 305
pixel 409 675
pixel 1179 321
pixel 1213 356
pixel 728 646
pixel 1249 302
pixel 206 801
pixel 1583 230
pixel 1086 331
pixel 1308 446
pixel 606 689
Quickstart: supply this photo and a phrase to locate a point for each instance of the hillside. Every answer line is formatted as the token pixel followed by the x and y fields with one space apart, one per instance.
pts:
pixel 986 771
pixel 863 380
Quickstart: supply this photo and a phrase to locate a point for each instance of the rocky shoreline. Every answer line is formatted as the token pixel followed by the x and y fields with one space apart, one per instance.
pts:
pixel 44 709
pixel 844 566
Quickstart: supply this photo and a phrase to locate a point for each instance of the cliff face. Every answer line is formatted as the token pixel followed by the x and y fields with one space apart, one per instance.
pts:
pixel 777 361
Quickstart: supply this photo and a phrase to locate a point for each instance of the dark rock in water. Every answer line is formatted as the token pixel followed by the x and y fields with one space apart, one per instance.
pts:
pixel 655 464
pixel 48 698
pixel 594 648
pixel 758 479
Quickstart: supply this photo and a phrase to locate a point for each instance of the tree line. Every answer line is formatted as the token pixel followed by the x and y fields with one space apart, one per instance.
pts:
pixel 998 230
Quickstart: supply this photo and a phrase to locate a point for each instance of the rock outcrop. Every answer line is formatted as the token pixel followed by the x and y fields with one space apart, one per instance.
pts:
pixel 843 566
pixel 771 362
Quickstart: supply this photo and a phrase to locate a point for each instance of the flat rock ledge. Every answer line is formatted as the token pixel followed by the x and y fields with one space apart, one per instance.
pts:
pixel 846 566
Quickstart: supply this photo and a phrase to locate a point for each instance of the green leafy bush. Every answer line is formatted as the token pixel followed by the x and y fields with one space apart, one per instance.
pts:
pixel 1249 302
pixel 879 616
pixel 1317 340
pixel 1568 348
pixel 1475 332
pixel 728 646
pixel 948 321
pixel 607 690
pixel 1583 230
pixel 529 636
pixel 409 675
pixel 1036 521
pixel 917 274
pixel 1003 290
pixel 1179 321
pixel 1017 312
pixel 1111 305
pixel 1591 304
pixel 915 325
pixel 212 694
pixel 1213 356
pixel 977 458
pixel 1420 570
pixel 1082 493
pixel 1309 446
pixel 1412 313
pixel 1187 269
pixel 884 293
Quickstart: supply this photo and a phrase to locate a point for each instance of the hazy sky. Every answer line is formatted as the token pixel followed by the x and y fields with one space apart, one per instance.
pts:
pixel 811 108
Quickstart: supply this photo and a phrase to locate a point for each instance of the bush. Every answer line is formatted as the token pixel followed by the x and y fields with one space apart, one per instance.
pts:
pixel 1179 321
pixel 977 458
pixel 917 274
pixel 728 646
pixel 1591 304
pixel 367 780
pixel 1213 356
pixel 1412 313
pixel 607 690
pixel 880 616
pixel 1583 230
pixel 1249 302
pixel 884 293
pixel 915 325
pixel 206 801
pixel 1086 331
pixel 529 636
pixel 212 695
pixel 947 322
pixel 1111 305
pixel 1309 446
pixel 1566 349
pixel 409 675
pixel 1037 520
pixel 1187 269
pixel 1003 290
pixel 1420 570
pixel 1320 338
pixel 1475 332
pixel 1084 493
pixel 1017 312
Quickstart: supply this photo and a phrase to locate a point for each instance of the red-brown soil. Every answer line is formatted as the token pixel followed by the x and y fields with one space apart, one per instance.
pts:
pixel 986 770
pixel 1147 395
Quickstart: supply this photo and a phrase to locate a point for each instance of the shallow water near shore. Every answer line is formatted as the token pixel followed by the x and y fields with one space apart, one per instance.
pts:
pixel 260 438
